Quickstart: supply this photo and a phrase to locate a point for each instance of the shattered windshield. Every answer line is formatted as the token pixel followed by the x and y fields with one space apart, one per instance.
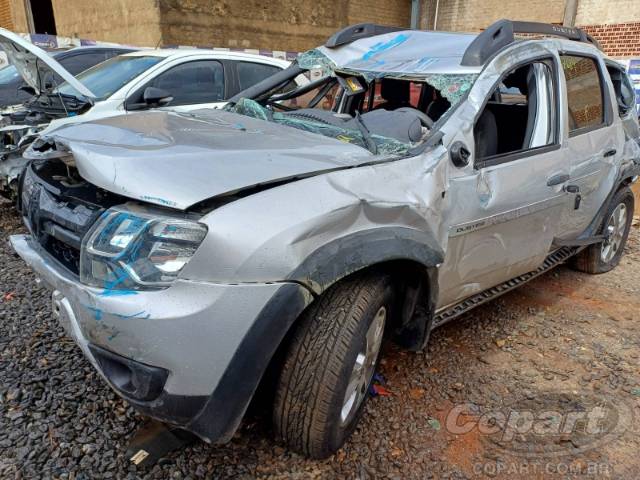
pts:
pixel 108 77
pixel 387 103
pixel 341 128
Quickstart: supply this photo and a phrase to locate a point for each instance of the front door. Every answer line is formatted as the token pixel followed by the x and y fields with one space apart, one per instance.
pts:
pixel 507 205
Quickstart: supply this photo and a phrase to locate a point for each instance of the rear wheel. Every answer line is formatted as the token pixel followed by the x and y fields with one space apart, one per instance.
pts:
pixel 329 365
pixel 604 256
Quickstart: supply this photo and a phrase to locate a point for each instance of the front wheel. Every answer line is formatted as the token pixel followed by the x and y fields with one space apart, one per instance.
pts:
pixel 329 365
pixel 605 256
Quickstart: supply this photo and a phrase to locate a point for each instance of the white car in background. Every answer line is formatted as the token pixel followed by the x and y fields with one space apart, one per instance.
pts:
pixel 175 79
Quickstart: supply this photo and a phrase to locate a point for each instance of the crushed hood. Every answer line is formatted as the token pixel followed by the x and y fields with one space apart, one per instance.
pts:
pixel 34 65
pixel 180 159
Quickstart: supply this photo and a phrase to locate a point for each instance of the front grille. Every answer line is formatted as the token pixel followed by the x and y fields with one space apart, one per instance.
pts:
pixel 56 216
pixel 66 254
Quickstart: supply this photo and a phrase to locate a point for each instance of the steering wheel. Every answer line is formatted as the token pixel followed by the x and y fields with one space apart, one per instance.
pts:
pixel 423 117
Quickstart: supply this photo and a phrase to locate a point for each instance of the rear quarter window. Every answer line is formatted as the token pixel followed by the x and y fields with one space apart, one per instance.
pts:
pixel 625 94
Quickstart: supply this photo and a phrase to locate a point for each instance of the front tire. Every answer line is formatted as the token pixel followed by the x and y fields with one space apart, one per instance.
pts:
pixel 329 364
pixel 605 256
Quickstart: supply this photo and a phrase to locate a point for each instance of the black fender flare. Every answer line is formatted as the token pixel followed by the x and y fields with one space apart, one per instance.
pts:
pixel 368 248
pixel 346 255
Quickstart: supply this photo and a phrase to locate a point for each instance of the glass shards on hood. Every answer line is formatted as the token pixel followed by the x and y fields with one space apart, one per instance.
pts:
pixel 358 131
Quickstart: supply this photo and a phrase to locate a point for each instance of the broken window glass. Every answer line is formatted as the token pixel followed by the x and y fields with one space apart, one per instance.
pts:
pixel 317 124
pixel 453 87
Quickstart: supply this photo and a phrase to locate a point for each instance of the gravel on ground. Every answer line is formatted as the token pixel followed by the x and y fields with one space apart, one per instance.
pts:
pixel 567 338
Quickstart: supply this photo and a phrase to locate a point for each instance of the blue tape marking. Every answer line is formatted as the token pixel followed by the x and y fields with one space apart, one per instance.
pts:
pixel 148 198
pixel 142 315
pixel 384 46
pixel 97 312
pixel 116 293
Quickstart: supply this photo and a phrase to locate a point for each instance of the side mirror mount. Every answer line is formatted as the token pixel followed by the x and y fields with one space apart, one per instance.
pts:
pixel 459 154
pixel 156 97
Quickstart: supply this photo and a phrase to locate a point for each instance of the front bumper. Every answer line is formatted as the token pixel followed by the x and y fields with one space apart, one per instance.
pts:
pixel 191 355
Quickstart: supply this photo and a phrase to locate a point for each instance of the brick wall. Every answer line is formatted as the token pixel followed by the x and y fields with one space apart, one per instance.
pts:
pixel 6 18
pixel 275 24
pixel 278 24
pixel 618 40
pixel 133 22
pixel 596 12
pixel 13 15
pixel 614 23
pixel 475 15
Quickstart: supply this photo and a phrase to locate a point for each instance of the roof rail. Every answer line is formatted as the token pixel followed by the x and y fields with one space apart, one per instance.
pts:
pixel 358 31
pixel 501 33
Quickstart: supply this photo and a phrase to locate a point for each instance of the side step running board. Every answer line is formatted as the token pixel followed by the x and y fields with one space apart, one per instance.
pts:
pixel 554 259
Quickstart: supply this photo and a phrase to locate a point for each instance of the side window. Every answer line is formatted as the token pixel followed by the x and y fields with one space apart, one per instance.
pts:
pixel 625 95
pixel 584 92
pixel 201 81
pixel 520 113
pixel 250 73
pixel 81 61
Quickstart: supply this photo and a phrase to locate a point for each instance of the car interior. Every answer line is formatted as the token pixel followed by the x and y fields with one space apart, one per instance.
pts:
pixel 398 109
pixel 519 114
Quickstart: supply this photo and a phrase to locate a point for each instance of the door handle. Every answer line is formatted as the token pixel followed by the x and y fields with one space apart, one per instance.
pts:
pixel 610 153
pixel 558 179
pixel 572 189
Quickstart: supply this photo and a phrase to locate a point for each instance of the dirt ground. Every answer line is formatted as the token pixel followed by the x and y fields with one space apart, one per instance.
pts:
pixel 491 397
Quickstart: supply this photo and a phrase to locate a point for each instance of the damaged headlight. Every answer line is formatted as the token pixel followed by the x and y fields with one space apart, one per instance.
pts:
pixel 131 251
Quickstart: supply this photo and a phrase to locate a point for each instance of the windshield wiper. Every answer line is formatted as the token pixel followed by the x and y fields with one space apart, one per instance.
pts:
pixel 366 134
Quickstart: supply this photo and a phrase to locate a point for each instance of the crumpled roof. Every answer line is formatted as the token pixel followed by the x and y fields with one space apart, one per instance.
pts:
pixel 411 53
pixel 431 57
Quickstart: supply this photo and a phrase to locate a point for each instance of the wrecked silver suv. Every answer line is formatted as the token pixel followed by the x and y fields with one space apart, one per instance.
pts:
pixel 196 256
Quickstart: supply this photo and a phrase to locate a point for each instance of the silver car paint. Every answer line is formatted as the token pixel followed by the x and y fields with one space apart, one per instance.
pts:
pixel 402 54
pixel 217 152
pixel 175 329
pixel 519 213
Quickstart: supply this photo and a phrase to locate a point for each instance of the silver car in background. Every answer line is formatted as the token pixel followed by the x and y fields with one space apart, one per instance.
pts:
pixel 193 255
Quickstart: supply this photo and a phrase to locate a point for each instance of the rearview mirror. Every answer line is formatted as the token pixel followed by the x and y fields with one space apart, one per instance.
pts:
pixel 156 97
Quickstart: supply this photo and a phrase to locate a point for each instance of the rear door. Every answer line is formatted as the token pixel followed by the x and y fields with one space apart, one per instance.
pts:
pixel 595 138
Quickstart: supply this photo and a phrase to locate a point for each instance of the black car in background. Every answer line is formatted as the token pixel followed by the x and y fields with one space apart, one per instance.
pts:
pixel 75 60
